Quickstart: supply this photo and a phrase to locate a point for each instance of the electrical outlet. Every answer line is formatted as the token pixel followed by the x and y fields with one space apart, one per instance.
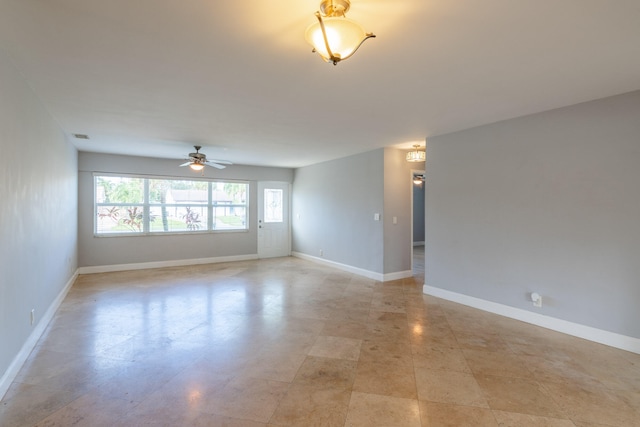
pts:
pixel 537 299
pixel 32 316
pixel 321 252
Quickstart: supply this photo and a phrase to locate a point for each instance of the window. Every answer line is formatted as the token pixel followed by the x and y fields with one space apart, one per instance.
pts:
pixel 273 208
pixel 133 205
pixel 119 204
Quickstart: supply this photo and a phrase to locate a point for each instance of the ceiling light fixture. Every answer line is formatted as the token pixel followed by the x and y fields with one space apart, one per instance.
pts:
pixel 416 155
pixel 335 37
pixel 418 179
pixel 196 166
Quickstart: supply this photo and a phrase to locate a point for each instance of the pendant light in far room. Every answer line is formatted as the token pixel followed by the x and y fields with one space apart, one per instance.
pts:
pixel 416 155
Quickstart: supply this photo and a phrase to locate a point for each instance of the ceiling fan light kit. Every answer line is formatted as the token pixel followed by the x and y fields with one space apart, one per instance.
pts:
pixel 335 37
pixel 197 161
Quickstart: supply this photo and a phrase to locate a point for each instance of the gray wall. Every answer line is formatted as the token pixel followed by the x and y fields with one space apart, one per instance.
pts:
pixel 38 212
pixel 397 203
pixel 100 251
pixel 334 204
pixel 546 203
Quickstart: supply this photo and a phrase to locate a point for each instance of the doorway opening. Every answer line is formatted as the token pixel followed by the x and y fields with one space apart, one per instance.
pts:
pixel 418 234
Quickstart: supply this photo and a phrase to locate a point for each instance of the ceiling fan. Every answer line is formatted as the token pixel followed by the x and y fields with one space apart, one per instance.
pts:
pixel 198 160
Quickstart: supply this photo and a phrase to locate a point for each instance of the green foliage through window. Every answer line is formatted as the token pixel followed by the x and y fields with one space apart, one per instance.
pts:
pixel 132 205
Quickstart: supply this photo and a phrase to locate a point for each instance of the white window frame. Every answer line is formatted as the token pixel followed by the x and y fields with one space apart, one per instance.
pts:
pixel 146 205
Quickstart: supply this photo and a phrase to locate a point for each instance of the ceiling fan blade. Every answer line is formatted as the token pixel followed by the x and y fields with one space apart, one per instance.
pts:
pixel 215 165
pixel 222 162
pixel 185 164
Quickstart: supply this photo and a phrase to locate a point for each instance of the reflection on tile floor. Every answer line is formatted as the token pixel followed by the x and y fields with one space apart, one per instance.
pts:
pixel 284 342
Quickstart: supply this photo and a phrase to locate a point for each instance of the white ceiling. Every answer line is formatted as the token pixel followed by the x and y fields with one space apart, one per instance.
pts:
pixel 154 77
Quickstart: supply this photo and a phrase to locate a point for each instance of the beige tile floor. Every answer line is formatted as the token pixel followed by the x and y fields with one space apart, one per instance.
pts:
pixel 284 342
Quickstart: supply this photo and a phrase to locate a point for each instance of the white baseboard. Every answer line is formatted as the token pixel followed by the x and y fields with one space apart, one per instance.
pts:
pixel 355 270
pixel 162 264
pixel 397 275
pixel 611 339
pixel 13 369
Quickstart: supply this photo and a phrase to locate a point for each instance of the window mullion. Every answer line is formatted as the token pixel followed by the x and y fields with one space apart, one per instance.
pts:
pixel 146 207
pixel 210 207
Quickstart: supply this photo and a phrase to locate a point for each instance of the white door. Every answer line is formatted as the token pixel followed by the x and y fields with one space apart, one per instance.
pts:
pixel 273 219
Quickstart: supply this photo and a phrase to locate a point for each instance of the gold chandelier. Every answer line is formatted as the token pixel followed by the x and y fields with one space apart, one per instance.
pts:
pixel 335 37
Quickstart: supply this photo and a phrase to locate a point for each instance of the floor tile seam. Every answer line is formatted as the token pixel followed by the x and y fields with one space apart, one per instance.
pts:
pixel 35 353
pixel 86 378
pixel 599 381
pixel 476 374
pixel 484 393
pixel 590 389
pixel 577 421
pixel 446 318
pixel 415 382
pixel 48 414
pixel 512 346
pixel 277 405
pixel 119 417
pixel 223 415
pixel 620 390
pixel 421 415
pixel 530 372
pixel 40 386
pixel 493 415
pixel 508 338
pixel 533 415
pixel 345 406
pixel 617 396
pixel 458 347
pixel 39 420
pixel 556 401
pixel 553 378
pixel 81 329
pixel 487 408
pixel 150 393
pixel 321 387
pixel 305 382
pixel 385 396
pixel 298 370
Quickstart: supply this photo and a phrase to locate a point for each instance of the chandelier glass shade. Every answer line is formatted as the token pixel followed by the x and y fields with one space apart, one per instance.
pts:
pixel 196 166
pixel 335 37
